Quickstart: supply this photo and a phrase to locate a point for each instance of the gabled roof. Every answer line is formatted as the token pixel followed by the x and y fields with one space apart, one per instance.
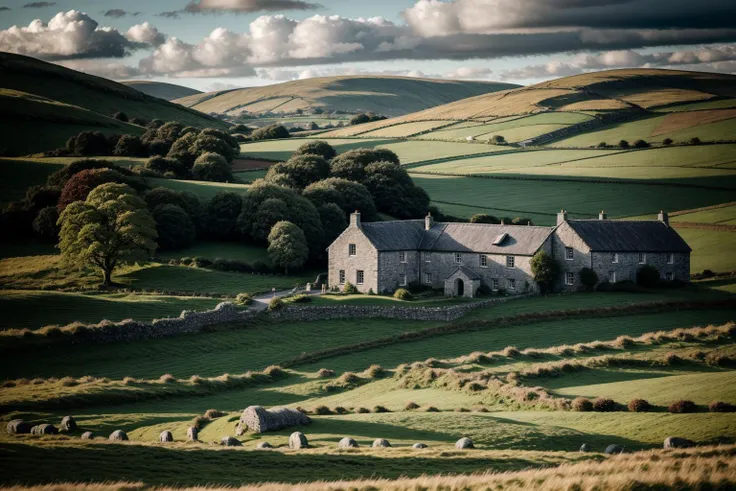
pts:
pixel 521 240
pixel 629 236
pixel 399 235
pixel 469 273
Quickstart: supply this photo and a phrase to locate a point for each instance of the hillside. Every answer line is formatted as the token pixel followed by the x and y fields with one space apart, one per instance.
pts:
pixel 51 103
pixel 596 99
pixel 162 90
pixel 390 96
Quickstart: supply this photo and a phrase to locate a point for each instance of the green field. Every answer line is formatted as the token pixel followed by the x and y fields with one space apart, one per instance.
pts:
pixel 216 249
pixel 20 308
pixel 19 175
pixel 581 199
pixel 203 189
pixel 725 215
pixel 712 249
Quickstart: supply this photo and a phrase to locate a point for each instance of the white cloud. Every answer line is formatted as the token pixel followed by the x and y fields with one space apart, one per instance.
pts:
pixel 145 33
pixel 67 35
pixel 468 73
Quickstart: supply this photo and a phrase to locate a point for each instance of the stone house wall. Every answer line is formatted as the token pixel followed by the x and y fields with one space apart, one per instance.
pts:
pixel 365 259
pixel 390 269
pixel 628 264
pixel 564 237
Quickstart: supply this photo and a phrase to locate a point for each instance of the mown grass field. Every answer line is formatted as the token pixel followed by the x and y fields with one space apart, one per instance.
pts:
pixel 218 249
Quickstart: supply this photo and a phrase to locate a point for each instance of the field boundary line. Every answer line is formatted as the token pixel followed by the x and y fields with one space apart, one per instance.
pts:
pixel 521 319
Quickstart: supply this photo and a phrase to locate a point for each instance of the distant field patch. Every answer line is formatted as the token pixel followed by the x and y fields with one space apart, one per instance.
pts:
pixel 663 97
pixel 684 120
pixel 724 215
pixel 712 249
pixel 240 165
pixel 204 190
pixel 595 105
pixel 697 106
pixel 581 199
pixel 214 249
pixel 406 129
pixel 281 150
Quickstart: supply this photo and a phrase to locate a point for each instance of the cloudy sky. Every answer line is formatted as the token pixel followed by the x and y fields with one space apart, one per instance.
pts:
pixel 211 44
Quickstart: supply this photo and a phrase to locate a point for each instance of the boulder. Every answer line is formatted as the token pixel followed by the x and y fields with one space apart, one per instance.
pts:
pixel 18 427
pixel 419 445
pixel 166 436
pixel 347 442
pixel 464 443
pixel 230 441
pixel 118 436
pixel 88 435
pixel 262 445
pixel 614 449
pixel 677 442
pixel 44 429
pixel 259 420
pixel 298 440
pixel 68 424
pixel 381 442
pixel 585 447
pixel 192 434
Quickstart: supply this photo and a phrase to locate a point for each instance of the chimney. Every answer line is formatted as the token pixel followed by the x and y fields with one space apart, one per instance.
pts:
pixel 561 217
pixel 355 219
pixel 664 218
pixel 602 215
pixel 428 221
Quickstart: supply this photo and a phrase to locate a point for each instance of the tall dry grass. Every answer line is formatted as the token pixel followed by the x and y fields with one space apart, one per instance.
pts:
pixel 711 468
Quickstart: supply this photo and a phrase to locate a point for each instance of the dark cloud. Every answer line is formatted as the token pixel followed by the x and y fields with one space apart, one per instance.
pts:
pixel 38 5
pixel 247 6
pixel 173 14
pixel 118 13
pixel 3 9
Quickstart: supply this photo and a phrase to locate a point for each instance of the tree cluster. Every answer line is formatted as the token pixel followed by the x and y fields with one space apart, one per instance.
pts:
pixel 273 132
pixel 486 218
pixel 366 118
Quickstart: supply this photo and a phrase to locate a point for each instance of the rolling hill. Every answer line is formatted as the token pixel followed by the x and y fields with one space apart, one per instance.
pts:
pixel 44 104
pixel 162 90
pixel 671 101
pixel 390 96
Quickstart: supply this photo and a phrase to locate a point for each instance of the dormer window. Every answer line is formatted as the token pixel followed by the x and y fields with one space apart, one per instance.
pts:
pixel 351 250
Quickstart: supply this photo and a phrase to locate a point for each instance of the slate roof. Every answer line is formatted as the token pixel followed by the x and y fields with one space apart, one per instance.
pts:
pixel 396 235
pixel 455 237
pixel 469 273
pixel 521 240
pixel 629 236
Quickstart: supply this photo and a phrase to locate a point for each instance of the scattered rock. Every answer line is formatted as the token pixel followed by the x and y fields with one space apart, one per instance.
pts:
pixel 464 443
pixel 18 427
pixel 118 436
pixel 88 435
pixel 419 445
pixel 240 430
pixel 68 424
pixel 614 449
pixel 259 420
pixel 44 429
pixel 230 441
pixel 585 447
pixel 298 440
pixel 262 445
pixel 677 442
pixel 192 434
pixel 347 442
pixel 166 436
pixel 381 442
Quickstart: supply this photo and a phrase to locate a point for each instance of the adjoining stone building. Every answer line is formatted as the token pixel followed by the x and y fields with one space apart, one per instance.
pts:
pixel 459 258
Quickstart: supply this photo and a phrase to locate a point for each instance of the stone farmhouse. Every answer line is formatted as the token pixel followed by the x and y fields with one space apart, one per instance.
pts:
pixel 460 257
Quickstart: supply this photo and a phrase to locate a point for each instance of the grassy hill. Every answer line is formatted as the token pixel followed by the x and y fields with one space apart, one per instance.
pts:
pixel 162 90
pixel 44 104
pixel 390 96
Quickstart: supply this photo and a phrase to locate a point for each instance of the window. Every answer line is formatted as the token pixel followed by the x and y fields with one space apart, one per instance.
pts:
pixel 510 261
pixel 351 249
pixel 511 284
pixel 402 257
pixel 669 276
pixel 428 278
pixel 402 279
pixel 670 258
pixel 614 257
pixel 359 277
pixel 483 261
pixel 642 258
pixel 427 257
pixel 569 253
pixel 569 278
pixel 458 258
pixel 494 284
pixel 342 276
pixel 612 277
